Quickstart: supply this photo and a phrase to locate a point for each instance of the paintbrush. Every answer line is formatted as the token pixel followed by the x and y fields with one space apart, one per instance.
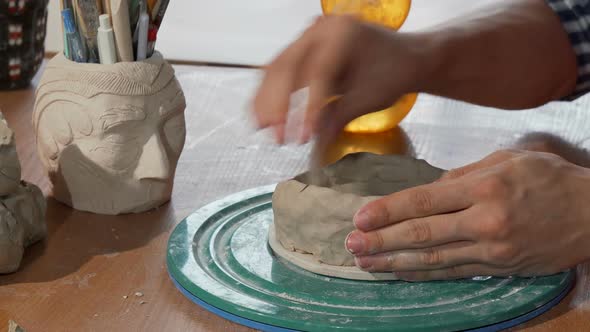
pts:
pixel 134 11
pixel 122 29
pixel 151 4
pixel 87 18
pixel 106 7
pixel 159 12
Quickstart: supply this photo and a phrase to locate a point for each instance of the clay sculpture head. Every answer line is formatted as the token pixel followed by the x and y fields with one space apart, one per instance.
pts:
pixel 110 136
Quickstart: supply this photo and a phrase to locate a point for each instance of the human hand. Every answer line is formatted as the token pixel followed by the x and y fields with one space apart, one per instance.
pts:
pixel 513 213
pixel 369 67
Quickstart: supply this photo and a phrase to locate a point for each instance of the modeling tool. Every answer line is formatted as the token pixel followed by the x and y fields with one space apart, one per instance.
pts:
pixel 142 34
pixel 106 41
pixel 74 41
pixel 122 30
pixel 88 12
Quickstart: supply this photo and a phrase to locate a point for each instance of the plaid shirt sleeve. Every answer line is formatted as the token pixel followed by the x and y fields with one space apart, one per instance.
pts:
pixel 575 16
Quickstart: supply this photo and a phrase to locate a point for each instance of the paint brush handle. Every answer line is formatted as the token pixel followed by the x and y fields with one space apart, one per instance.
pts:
pixel 159 15
pixel 122 29
pixel 88 14
pixel 106 7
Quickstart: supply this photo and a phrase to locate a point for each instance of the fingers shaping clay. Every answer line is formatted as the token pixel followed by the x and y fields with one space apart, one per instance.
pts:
pixel 110 136
pixel 22 207
pixel 313 213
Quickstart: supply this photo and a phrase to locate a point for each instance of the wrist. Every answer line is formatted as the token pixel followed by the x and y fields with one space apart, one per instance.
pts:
pixel 428 58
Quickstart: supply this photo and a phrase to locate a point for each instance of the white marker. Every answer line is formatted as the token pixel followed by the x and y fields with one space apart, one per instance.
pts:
pixel 106 41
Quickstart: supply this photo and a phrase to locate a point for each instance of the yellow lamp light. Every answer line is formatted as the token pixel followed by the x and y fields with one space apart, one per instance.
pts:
pixel 391 14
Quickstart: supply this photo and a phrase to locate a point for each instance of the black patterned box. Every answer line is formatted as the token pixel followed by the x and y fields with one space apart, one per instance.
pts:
pixel 23 25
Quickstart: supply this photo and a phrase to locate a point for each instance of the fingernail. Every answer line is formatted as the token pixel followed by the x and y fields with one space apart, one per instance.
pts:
pixel 363 263
pixel 305 135
pixel 355 243
pixel 280 134
pixel 362 219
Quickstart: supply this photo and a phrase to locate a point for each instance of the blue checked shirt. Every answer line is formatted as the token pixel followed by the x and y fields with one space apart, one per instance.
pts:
pixel 575 16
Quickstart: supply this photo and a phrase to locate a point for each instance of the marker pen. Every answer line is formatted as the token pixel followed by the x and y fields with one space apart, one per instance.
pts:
pixel 106 41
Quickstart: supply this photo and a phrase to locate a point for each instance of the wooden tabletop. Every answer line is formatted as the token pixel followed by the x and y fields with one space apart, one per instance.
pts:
pixel 78 278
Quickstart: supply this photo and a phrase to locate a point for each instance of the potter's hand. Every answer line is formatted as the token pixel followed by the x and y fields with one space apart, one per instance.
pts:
pixel 513 213
pixel 368 66
pixel 372 67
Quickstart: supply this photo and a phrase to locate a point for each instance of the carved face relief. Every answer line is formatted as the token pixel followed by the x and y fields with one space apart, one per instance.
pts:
pixel 111 152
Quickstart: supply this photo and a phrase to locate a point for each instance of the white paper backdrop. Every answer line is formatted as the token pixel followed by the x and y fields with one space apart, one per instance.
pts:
pixel 250 32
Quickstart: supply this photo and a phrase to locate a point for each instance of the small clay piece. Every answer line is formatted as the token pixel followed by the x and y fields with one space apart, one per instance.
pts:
pixel 110 136
pixel 22 223
pixel 22 206
pixel 313 212
pixel 14 327
pixel 9 165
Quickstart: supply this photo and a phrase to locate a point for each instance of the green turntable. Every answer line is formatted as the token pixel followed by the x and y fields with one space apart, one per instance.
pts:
pixel 219 258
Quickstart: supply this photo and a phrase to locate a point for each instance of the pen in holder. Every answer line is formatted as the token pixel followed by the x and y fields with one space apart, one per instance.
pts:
pixel 22 39
pixel 95 29
pixel 110 136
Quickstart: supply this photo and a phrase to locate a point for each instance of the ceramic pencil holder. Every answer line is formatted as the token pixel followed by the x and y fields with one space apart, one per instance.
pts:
pixel 22 41
pixel 110 136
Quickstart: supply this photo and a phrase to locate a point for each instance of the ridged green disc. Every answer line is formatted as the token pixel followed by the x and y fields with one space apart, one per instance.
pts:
pixel 220 255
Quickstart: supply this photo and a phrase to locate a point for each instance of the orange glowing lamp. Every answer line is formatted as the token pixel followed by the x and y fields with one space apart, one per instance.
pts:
pixel 391 14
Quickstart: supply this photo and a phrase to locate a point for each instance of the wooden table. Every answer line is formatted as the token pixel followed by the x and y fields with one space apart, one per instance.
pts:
pixel 77 279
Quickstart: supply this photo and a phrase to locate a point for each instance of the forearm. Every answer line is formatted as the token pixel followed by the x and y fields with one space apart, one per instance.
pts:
pixel 513 55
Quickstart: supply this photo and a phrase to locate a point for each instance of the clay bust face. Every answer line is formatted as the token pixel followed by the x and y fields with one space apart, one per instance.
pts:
pixel 110 139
